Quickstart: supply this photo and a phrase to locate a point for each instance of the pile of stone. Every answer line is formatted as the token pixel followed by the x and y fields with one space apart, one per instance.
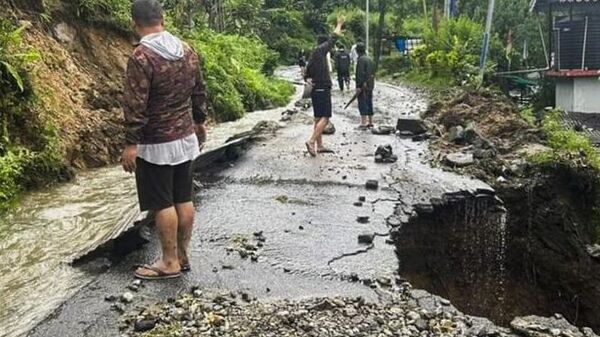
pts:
pixel 480 147
pixel 400 311
pixel 228 315
pixel 247 247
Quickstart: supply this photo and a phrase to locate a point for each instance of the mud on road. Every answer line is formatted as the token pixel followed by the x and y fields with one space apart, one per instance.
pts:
pixel 306 210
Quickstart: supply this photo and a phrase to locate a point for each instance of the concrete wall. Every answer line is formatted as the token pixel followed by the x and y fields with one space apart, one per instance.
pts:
pixel 578 94
pixel 564 94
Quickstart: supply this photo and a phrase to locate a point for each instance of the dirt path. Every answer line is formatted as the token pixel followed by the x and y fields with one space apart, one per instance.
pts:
pixel 305 209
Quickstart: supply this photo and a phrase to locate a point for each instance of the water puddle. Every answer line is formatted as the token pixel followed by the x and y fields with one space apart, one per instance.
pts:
pixel 52 227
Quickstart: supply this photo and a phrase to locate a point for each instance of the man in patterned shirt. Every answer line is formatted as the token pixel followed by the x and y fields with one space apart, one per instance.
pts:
pixel 164 106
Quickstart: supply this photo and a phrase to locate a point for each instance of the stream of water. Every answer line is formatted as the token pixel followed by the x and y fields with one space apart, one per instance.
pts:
pixel 40 238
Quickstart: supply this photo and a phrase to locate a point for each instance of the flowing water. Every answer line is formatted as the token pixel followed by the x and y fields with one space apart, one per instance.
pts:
pixel 50 228
pixel 459 252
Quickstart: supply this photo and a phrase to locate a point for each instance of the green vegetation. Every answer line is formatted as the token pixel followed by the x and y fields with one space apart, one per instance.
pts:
pixel 355 26
pixel 115 13
pixel 237 67
pixel 528 115
pixel 237 71
pixel 29 150
pixel 233 67
pixel 567 145
pixel 451 53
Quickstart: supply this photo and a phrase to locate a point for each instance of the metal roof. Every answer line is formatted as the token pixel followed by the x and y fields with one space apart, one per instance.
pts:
pixel 539 5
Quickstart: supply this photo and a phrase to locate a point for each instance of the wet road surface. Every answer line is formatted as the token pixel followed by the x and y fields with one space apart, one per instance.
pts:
pixel 305 208
pixel 53 227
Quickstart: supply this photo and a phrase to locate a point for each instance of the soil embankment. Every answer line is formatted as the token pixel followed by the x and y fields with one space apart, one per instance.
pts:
pixel 530 251
pixel 77 81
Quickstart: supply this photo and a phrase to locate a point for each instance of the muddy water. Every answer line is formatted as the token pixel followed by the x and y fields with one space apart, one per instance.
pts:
pixel 50 228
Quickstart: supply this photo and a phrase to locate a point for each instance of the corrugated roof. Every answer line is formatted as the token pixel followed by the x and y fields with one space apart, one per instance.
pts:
pixel 542 4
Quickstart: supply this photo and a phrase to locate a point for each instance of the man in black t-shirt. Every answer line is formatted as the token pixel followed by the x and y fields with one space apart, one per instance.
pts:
pixel 342 66
pixel 317 73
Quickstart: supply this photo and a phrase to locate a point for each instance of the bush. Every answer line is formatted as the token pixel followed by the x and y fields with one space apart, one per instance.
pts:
pixel 355 26
pixel 116 13
pixel 234 68
pixel 28 144
pixel 452 52
pixel 393 64
pixel 567 145
pixel 286 34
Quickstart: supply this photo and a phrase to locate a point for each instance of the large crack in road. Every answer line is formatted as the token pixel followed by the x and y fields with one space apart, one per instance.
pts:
pixel 305 208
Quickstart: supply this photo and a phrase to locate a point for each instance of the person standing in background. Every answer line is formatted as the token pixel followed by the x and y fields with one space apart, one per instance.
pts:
pixel 365 84
pixel 354 54
pixel 342 65
pixel 302 62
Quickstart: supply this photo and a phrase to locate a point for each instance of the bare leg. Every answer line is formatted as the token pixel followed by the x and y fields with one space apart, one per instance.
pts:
pixel 318 134
pixel 166 227
pixel 185 215
pixel 363 121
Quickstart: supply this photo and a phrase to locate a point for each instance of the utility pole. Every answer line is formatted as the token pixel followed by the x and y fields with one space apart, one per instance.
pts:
pixel 447 9
pixel 379 42
pixel 368 19
pixel 486 39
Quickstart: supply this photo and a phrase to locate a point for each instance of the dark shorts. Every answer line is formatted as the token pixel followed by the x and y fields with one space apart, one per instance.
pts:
pixel 344 74
pixel 163 186
pixel 365 103
pixel 321 100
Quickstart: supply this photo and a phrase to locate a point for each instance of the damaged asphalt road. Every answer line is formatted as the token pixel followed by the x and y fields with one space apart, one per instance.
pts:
pixel 307 210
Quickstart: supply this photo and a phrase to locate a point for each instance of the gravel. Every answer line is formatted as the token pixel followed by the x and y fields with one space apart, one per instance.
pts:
pixel 225 314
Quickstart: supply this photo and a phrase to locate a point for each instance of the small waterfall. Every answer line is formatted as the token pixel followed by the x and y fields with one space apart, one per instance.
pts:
pixel 479 227
pixel 462 245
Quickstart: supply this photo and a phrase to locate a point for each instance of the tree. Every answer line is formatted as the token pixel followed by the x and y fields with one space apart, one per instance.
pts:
pixel 378 45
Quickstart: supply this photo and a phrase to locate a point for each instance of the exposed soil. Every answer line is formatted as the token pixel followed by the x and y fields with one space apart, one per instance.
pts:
pixel 494 132
pixel 78 81
pixel 495 115
pixel 525 252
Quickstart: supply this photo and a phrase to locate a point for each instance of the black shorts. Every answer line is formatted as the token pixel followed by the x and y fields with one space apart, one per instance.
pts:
pixel 321 100
pixel 163 186
pixel 365 103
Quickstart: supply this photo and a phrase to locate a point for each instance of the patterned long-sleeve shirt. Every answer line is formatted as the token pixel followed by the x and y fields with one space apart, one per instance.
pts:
pixel 163 99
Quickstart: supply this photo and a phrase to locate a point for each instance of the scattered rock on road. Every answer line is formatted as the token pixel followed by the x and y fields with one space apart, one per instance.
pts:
pixel 362 219
pixel 372 184
pixel 127 297
pixel 382 130
pixel 385 154
pixel 330 129
pixel 366 238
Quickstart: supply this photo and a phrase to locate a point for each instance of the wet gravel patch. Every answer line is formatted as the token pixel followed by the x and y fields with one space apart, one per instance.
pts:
pixel 398 313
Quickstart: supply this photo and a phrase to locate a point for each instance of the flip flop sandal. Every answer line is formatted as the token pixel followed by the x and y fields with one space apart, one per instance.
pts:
pixel 325 150
pixel 160 275
pixel 311 150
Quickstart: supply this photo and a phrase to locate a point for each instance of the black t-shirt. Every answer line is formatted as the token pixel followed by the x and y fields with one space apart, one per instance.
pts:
pixel 318 68
pixel 342 61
